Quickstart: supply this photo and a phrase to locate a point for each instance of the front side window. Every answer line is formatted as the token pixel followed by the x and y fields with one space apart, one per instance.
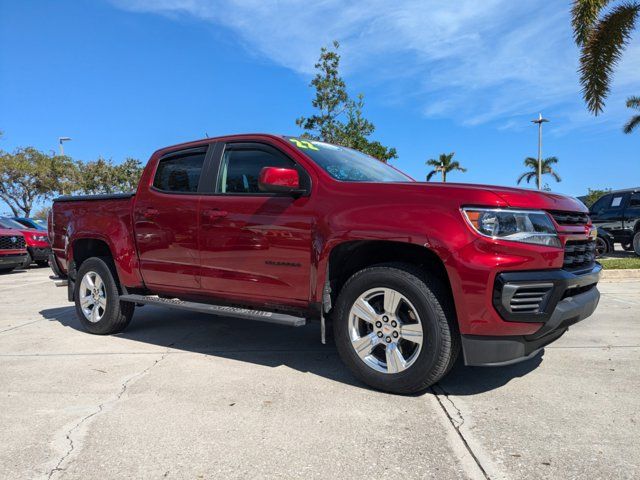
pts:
pixel 240 169
pixel 348 165
pixel 617 201
pixel 635 200
pixel 601 204
pixel 180 173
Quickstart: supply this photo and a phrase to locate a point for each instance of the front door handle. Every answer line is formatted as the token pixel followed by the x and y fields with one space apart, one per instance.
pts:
pixel 150 213
pixel 214 215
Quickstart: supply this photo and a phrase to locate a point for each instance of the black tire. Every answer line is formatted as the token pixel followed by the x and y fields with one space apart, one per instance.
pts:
pixel 627 246
pixel 636 243
pixel 602 247
pixel 42 263
pixel 117 314
pixel 433 303
pixel 27 261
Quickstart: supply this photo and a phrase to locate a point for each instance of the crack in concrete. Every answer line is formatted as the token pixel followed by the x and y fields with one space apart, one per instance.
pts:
pixel 457 421
pixel 123 388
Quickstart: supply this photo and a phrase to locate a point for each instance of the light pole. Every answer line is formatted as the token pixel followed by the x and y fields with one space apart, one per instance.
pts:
pixel 61 140
pixel 540 121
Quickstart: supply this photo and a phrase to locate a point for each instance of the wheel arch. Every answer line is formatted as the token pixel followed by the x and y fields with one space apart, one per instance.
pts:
pixel 347 258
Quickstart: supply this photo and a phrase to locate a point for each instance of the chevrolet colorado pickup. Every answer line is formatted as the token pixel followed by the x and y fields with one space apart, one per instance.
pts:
pixel 407 273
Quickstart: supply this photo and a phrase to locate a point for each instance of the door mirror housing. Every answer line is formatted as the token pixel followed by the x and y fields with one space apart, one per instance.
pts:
pixel 279 180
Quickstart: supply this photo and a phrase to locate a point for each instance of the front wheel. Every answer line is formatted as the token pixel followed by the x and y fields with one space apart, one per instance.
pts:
pixel 97 299
pixel 395 328
pixel 602 247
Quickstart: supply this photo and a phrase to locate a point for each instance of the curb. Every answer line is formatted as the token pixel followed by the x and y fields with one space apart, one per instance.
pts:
pixel 621 274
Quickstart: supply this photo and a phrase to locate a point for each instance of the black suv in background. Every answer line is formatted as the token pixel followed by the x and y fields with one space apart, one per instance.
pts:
pixel 618 213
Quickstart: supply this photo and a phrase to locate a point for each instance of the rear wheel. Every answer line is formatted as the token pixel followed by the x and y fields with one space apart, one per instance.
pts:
pixel 42 263
pixel 394 328
pixel 97 299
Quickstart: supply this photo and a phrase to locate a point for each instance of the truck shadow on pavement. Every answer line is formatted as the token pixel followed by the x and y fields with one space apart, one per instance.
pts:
pixel 273 346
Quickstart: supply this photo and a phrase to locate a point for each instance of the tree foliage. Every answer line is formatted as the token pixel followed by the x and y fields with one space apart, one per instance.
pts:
pixel 339 118
pixel 444 164
pixel 28 175
pixel 103 176
pixel 593 195
pixel 547 169
pixel 602 37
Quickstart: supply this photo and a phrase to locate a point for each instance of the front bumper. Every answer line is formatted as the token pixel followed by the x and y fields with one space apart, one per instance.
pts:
pixel 39 254
pixel 12 261
pixel 561 299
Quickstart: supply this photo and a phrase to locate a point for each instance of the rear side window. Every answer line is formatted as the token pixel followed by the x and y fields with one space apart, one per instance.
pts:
pixel 635 200
pixel 179 173
pixel 240 169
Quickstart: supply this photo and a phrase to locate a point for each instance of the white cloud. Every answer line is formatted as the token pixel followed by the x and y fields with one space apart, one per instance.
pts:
pixel 471 61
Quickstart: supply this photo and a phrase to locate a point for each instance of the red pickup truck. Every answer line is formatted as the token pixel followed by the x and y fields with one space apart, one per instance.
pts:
pixel 408 273
pixel 13 251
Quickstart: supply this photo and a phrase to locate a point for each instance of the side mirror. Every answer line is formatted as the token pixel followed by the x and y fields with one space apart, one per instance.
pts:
pixel 279 180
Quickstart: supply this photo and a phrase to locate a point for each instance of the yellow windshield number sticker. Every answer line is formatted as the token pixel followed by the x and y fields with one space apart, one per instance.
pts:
pixel 304 144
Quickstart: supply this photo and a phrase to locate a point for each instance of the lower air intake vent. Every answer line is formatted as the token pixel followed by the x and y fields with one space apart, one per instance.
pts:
pixel 526 298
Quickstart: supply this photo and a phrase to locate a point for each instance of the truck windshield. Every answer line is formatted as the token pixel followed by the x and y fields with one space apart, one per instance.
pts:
pixel 348 165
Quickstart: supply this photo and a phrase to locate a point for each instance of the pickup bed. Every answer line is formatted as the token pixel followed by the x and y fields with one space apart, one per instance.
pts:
pixel 408 274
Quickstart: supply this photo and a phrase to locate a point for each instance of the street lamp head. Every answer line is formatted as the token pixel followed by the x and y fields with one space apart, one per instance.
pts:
pixel 539 120
pixel 64 139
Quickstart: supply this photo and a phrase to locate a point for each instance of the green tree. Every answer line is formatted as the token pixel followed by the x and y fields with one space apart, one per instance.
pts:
pixel 634 121
pixel 41 213
pixel 532 164
pixel 102 176
pixel 28 175
pixel 602 37
pixel 339 118
pixel 444 165
pixel 593 195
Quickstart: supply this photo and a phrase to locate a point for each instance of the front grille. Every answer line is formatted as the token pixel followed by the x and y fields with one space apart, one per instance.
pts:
pixel 527 298
pixel 11 242
pixel 570 218
pixel 579 254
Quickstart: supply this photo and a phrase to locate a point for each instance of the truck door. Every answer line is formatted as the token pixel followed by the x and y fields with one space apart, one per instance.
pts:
pixel 608 213
pixel 166 222
pixel 632 215
pixel 254 245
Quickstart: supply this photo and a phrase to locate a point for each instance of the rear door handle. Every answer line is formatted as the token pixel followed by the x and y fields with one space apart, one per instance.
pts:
pixel 214 215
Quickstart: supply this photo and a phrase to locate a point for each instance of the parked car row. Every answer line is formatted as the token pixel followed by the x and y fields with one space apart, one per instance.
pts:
pixel 23 241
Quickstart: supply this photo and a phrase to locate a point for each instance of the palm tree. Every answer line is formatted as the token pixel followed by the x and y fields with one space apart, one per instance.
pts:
pixel 601 36
pixel 532 163
pixel 632 102
pixel 444 165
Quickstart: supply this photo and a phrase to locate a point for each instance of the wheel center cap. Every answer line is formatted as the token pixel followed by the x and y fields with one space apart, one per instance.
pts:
pixel 386 329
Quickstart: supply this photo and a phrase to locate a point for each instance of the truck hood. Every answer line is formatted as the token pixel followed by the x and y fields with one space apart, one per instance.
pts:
pixel 517 197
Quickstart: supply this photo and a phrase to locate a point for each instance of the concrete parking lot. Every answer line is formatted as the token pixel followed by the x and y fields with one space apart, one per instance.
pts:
pixel 184 395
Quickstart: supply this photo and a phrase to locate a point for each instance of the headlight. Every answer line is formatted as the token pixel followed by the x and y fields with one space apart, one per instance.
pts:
pixel 40 238
pixel 527 226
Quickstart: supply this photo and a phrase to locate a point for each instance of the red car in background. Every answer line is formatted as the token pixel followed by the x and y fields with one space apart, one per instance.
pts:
pixel 37 242
pixel 13 252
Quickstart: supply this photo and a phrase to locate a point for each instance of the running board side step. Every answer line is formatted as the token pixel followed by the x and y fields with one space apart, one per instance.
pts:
pixel 258 315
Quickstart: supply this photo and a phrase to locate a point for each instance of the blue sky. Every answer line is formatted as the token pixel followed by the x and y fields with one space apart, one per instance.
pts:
pixel 125 77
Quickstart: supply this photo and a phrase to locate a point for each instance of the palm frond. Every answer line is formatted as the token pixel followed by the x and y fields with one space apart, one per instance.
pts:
pixel 549 161
pixel 433 162
pixel 631 124
pixel 431 174
pixel 601 52
pixel 531 162
pixel 584 15
pixel 455 166
pixel 555 176
pixel 633 102
pixel 526 176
